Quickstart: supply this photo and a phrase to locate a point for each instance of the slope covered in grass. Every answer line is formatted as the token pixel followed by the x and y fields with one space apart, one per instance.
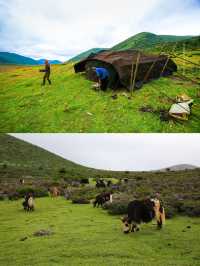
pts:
pixel 145 40
pixel 83 235
pixel 19 158
pixel 71 105
pixel 86 54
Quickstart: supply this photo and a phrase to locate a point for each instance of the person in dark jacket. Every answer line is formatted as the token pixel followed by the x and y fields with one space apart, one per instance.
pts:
pixel 47 71
pixel 103 77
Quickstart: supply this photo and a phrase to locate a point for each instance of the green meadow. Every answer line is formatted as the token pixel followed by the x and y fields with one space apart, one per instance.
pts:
pixel 83 235
pixel 71 105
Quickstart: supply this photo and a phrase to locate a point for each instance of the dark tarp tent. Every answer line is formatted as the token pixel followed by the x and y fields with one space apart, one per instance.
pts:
pixel 121 64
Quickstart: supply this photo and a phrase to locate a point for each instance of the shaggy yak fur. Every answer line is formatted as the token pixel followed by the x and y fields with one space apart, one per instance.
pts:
pixel 102 198
pixel 28 204
pixel 143 211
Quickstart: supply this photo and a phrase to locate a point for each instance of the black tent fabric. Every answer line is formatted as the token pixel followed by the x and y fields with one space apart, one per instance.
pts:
pixel 121 64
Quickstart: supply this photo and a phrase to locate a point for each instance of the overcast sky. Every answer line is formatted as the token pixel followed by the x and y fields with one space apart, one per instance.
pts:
pixel 60 29
pixel 122 151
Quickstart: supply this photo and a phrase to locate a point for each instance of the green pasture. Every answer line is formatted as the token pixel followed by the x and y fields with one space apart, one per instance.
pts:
pixel 71 105
pixel 83 235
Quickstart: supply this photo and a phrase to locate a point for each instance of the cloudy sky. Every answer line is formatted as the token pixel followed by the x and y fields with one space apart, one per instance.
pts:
pixel 63 28
pixel 122 151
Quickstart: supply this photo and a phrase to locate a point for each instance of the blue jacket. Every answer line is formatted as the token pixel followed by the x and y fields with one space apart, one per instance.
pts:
pixel 102 73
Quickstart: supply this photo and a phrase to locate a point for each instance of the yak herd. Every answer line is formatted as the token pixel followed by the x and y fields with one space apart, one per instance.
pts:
pixel 138 211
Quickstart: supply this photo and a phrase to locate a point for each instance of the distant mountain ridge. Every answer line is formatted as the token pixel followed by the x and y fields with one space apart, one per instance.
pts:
pixel 18 157
pixel 142 41
pixel 16 59
pixel 145 40
pixel 86 54
pixel 149 42
pixel 179 167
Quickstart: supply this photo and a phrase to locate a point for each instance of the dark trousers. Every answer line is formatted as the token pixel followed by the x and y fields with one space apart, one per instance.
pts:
pixel 104 84
pixel 46 76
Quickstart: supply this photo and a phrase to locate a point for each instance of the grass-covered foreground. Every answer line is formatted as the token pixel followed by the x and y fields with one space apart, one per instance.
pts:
pixel 71 105
pixel 83 235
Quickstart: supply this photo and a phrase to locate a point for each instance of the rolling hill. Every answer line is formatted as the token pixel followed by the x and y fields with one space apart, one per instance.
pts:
pixel 147 40
pixel 19 158
pixel 180 167
pixel 86 54
pixel 16 59
pixel 192 44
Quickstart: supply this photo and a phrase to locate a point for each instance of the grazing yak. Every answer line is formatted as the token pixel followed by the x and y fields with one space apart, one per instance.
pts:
pixel 143 211
pixel 28 204
pixel 54 192
pixel 102 198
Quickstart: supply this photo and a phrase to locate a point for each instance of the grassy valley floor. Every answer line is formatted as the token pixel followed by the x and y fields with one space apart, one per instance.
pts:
pixel 83 235
pixel 71 105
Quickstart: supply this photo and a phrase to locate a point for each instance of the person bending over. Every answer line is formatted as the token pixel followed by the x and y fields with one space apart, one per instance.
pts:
pixel 103 77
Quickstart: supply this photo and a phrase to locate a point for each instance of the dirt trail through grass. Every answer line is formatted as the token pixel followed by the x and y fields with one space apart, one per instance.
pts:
pixel 83 235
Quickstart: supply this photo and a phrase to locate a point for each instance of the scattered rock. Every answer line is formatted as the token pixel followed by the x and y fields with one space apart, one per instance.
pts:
pixel 43 233
pixel 114 97
pixel 23 238
pixel 146 109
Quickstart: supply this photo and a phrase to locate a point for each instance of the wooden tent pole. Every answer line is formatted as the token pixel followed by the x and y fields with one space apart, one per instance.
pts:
pixel 131 80
pixel 168 57
pixel 135 73
pixel 153 64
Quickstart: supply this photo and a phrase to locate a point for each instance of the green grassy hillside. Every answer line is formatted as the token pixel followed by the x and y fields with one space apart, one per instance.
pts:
pixel 146 40
pixel 71 105
pixel 192 45
pixel 86 54
pixel 19 158
pixel 83 235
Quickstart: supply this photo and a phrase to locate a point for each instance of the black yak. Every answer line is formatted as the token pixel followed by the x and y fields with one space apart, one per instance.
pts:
pixel 102 198
pixel 143 211
pixel 28 204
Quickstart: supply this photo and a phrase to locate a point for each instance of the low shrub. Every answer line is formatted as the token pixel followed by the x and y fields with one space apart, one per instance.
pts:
pixel 84 181
pixel 2 196
pixel 118 207
pixel 13 196
pixel 37 192
pixel 191 208
pixel 170 211
pixel 86 192
pixel 80 200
